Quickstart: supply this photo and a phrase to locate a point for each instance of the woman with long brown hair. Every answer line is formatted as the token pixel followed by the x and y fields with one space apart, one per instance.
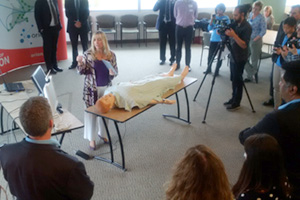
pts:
pixel 262 175
pixel 200 174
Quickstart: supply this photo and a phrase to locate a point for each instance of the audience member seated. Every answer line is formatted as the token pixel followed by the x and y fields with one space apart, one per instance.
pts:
pixel 200 174
pixel 284 124
pixel 36 168
pixel 141 93
pixel 263 174
pixel 99 65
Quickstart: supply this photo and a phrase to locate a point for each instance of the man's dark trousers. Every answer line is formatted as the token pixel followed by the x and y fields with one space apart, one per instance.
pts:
pixel 236 76
pixel 167 32
pixel 50 38
pixel 184 34
pixel 74 41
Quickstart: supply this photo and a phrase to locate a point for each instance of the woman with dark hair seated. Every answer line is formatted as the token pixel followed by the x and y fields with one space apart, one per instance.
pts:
pixel 262 175
pixel 199 175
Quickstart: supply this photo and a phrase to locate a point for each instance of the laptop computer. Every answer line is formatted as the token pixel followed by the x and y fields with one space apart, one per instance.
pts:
pixel 14 87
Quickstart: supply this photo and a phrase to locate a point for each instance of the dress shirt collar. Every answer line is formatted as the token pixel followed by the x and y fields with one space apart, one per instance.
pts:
pixel 50 141
pixel 288 103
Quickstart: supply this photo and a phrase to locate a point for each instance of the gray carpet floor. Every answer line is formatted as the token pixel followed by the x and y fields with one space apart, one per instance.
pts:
pixel 152 143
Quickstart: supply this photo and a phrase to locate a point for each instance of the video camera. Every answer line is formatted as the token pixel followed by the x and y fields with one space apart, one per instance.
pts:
pixel 295 42
pixel 222 26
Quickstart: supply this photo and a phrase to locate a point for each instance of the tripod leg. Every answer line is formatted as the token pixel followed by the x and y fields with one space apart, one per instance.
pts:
pixel 209 63
pixel 220 49
pixel 248 98
pixel 200 87
pixel 208 101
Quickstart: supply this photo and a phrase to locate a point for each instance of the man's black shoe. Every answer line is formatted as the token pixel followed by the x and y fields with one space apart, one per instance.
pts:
pixel 72 66
pixel 233 107
pixel 58 69
pixel 207 72
pixel 270 102
pixel 247 80
pixel 162 63
pixel 227 103
pixel 52 71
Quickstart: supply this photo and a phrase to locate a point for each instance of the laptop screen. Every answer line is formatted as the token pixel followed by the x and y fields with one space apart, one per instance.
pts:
pixel 39 79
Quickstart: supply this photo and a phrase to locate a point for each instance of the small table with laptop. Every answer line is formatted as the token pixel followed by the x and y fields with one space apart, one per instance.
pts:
pixel 11 101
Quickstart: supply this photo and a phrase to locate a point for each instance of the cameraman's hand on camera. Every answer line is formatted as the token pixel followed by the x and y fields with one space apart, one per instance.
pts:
pixel 230 33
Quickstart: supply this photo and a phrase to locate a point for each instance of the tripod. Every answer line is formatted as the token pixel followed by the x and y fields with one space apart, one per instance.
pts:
pixel 220 48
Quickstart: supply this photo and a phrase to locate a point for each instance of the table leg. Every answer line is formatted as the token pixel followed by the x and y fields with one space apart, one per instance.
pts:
pixel 111 161
pixel 178 109
pixel 121 146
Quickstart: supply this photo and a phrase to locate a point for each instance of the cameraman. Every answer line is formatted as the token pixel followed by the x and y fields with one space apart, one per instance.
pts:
pixel 292 52
pixel 239 39
pixel 215 38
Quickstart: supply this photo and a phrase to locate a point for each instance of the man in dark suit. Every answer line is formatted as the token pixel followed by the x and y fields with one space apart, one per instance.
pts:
pixel 284 124
pixel 77 12
pixel 36 168
pixel 166 26
pixel 47 19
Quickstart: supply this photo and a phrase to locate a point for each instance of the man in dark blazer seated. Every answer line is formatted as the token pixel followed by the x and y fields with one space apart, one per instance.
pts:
pixel 165 24
pixel 284 124
pixel 36 168
pixel 48 23
pixel 77 12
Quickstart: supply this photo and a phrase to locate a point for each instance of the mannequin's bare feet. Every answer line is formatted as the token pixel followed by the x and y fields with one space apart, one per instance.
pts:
pixel 168 101
pixel 184 72
pixel 93 145
pixel 171 72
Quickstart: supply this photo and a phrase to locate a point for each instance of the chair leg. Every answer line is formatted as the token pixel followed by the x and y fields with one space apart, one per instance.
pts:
pixel 138 36
pixel 121 39
pixel 256 77
pixel 256 74
pixel 115 38
pixel 146 38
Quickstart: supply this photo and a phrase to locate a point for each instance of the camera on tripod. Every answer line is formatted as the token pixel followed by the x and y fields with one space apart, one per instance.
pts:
pixel 222 26
pixel 292 42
